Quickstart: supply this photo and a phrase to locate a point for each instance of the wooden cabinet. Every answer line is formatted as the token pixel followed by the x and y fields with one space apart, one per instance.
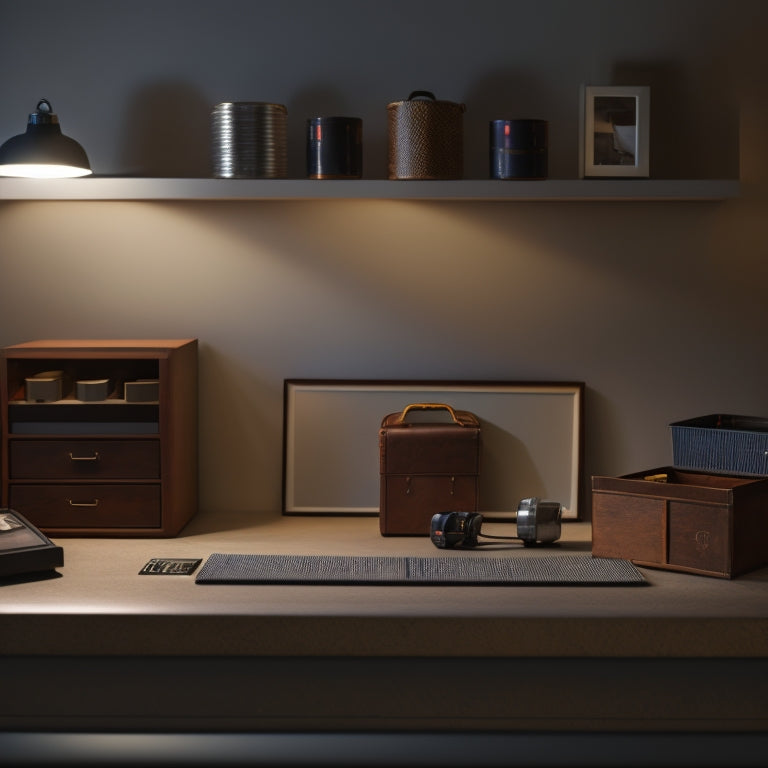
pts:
pixel 125 465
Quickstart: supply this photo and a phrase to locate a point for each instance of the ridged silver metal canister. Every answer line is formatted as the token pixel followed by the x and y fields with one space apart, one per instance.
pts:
pixel 249 140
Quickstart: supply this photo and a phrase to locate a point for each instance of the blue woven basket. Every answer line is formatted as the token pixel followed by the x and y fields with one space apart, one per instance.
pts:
pixel 721 444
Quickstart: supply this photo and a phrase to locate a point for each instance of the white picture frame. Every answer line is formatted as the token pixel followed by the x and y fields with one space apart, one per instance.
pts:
pixel 531 441
pixel 615 132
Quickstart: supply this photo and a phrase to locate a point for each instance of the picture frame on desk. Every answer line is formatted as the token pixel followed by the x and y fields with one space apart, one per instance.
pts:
pixel 614 128
pixel 24 550
pixel 531 441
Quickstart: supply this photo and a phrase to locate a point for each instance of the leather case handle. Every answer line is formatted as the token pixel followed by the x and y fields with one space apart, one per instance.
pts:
pixel 428 407
pixel 422 95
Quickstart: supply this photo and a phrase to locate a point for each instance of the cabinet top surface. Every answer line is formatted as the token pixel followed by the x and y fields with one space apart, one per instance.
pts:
pixel 63 345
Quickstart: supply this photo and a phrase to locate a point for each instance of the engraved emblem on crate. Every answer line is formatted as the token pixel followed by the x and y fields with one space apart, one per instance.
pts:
pixel 702 541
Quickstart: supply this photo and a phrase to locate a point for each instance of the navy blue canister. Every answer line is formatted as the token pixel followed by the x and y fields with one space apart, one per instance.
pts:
pixel 334 148
pixel 518 149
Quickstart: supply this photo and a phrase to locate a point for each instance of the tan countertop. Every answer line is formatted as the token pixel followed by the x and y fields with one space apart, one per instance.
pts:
pixel 99 604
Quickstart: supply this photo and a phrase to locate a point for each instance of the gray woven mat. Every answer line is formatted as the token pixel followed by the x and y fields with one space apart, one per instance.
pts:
pixel 470 570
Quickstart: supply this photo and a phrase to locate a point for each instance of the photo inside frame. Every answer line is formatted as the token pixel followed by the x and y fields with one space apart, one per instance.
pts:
pixel 615 130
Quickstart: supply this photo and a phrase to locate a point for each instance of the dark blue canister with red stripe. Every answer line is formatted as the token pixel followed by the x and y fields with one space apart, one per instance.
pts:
pixel 334 148
pixel 518 149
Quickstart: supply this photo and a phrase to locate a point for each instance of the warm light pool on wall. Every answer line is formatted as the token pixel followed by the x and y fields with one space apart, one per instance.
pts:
pixel 43 152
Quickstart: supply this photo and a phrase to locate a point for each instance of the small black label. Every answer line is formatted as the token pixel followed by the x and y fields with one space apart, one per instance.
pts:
pixel 170 566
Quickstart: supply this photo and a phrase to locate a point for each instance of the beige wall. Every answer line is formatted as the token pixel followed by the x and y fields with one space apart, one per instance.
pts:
pixel 658 307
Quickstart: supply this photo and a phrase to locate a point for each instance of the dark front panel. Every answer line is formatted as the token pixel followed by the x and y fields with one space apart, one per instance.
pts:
pixel 72 459
pixel 699 537
pixel 630 527
pixel 88 506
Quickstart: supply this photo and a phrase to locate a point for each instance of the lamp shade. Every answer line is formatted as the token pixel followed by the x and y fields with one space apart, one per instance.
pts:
pixel 43 151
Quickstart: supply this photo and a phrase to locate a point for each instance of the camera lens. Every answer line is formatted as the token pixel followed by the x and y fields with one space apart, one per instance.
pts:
pixel 538 522
pixel 450 529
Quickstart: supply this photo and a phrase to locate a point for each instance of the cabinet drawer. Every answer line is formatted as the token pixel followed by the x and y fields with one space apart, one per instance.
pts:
pixel 88 506
pixel 84 459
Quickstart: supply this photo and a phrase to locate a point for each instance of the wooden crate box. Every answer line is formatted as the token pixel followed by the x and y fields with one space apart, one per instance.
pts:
pixel 681 520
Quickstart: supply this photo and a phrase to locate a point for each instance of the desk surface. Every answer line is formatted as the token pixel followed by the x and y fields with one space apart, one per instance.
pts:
pixel 101 605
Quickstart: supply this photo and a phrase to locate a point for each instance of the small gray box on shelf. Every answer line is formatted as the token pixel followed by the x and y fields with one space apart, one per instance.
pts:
pixel 45 387
pixel 142 391
pixel 92 390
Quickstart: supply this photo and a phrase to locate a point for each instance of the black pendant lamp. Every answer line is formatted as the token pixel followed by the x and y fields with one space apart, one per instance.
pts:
pixel 43 152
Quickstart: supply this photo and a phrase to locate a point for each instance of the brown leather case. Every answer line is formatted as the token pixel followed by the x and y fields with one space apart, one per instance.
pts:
pixel 425 138
pixel 426 467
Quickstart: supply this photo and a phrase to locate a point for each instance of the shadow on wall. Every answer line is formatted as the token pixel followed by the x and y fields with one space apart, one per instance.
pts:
pixel 511 95
pixel 166 132
pixel 166 126
pixel 326 100
pixel 690 137
pixel 234 401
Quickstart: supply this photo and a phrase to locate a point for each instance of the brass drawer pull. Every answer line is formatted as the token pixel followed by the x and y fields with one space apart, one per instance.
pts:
pixel 94 503
pixel 95 457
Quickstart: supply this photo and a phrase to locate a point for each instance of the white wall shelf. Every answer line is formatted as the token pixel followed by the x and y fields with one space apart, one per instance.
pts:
pixel 555 190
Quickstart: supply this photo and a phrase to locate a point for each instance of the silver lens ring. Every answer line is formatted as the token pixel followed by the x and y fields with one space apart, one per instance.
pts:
pixel 538 522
